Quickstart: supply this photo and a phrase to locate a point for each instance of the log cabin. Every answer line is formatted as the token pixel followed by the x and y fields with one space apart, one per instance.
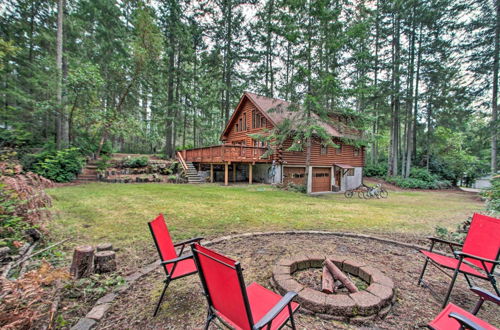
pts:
pixel 240 158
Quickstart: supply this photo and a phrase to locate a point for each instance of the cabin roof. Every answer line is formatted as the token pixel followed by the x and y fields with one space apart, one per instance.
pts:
pixel 276 110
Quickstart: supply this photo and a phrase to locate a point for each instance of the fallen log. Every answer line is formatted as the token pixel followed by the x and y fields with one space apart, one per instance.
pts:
pixel 328 282
pixel 339 275
pixel 83 262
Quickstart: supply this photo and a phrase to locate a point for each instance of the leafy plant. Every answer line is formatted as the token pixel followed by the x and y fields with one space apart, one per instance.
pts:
pixel 104 163
pixel 142 161
pixel 492 196
pixel 60 166
pixel 377 170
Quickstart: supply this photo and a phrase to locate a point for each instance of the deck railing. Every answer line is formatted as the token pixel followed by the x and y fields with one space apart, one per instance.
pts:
pixel 224 153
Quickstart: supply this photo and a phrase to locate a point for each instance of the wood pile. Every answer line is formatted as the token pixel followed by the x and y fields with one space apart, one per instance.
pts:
pixel 334 279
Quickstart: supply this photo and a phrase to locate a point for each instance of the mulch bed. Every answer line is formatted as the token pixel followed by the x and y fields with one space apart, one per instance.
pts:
pixel 185 305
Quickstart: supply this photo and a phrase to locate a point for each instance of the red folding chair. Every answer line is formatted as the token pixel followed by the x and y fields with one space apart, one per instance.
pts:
pixel 238 306
pixel 478 257
pixel 453 317
pixel 175 264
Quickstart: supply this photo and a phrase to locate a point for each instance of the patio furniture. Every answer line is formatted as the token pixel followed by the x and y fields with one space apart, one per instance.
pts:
pixel 234 304
pixel 175 264
pixel 478 256
pixel 453 317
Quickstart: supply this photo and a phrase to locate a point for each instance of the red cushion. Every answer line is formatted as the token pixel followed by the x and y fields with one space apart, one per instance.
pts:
pixel 443 321
pixel 262 300
pixel 452 263
pixel 483 239
pixel 184 267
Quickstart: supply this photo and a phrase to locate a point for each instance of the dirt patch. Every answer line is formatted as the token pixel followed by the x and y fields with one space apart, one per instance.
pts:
pixel 185 305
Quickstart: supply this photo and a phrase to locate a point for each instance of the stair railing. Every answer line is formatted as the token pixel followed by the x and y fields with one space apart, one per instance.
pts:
pixel 181 160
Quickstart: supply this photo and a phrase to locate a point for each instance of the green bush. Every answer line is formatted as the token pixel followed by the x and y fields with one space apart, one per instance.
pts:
pixel 61 165
pixel 423 174
pixel 492 196
pixel 410 183
pixel 136 162
pixel 377 170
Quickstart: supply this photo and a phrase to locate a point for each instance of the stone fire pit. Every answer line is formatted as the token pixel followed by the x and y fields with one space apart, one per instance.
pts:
pixel 360 307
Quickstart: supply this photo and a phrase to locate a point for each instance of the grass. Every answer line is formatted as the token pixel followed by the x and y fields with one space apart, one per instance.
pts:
pixel 118 213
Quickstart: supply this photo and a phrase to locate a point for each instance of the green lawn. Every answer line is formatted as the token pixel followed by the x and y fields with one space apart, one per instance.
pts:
pixel 118 213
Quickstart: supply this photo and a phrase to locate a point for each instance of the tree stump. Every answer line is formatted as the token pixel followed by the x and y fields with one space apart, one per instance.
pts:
pixel 105 262
pixel 104 247
pixel 83 262
pixel 337 273
pixel 328 282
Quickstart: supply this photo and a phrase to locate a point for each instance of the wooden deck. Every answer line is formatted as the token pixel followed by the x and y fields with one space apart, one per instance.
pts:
pixel 226 154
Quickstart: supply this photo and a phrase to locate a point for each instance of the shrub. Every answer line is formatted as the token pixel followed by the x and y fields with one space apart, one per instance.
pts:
pixel 423 174
pixel 409 183
pixel 60 166
pixel 492 196
pixel 103 163
pixel 378 170
pixel 136 162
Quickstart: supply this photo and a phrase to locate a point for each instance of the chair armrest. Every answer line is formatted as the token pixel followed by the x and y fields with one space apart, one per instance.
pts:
pixel 466 255
pixel 287 299
pixel 196 239
pixel 173 261
pixel 439 240
pixel 486 295
pixel 465 322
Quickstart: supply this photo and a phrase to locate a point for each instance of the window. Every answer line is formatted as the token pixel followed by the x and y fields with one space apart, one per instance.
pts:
pixel 322 175
pixel 245 121
pixel 356 152
pixel 262 122
pixel 297 175
pixel 236 128
pixel 324 150
pixel 253 118
pixel 338 151
pixel 240 122
pixel 350 172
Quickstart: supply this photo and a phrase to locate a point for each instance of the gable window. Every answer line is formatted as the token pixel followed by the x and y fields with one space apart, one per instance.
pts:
pixel 262 122
pixel 324 150
pixel 240 126
pixel 236 127
pixel 338 151
pixel 356 152
pixel 253 118
pixel 245 121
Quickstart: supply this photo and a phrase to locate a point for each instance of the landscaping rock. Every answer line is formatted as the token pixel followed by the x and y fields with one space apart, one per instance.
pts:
pixel 84 324
pixel 98 312
pixel 366 302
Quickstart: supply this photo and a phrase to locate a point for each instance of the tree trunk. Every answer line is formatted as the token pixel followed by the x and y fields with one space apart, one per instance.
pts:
pixel 61 131
pixel 415 99
pixel 409 102
pixel 494 100
pixel 105 262
pixel 83 262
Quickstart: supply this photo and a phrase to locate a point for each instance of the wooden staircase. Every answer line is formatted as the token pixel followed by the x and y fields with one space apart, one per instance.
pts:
pixel 192 174
pixel 190 170
pixel 89 172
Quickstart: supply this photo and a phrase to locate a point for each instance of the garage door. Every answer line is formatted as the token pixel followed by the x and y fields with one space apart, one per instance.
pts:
pixel 321 179
pixel 295 175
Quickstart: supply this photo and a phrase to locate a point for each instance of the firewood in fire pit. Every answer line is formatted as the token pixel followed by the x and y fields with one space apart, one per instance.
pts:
pixel 328 282
pixel 337 274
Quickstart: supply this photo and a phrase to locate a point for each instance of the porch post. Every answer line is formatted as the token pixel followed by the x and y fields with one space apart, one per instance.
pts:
pixel 211 173
pixel 234 172
pixel 250 174
pixel 226 174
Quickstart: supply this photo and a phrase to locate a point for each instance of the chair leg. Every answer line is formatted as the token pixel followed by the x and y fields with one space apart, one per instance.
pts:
pixel 292 322
pixel 423 271
pixel 167 282
pixel 210 317
pixel 450 288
